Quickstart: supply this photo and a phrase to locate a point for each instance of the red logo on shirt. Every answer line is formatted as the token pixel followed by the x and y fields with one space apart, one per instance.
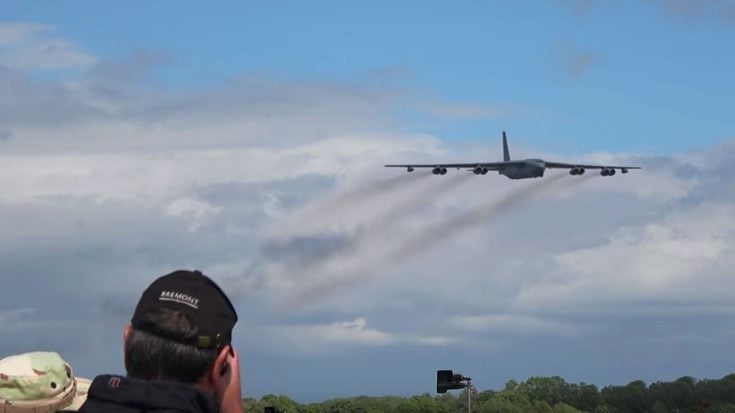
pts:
pixel 114 382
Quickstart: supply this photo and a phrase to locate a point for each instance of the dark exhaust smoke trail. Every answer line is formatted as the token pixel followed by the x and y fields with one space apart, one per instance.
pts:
pixel 363 207
pixel 378 253
pixel 415 200
pixel 424 240
pixel 367 190
pixel 309 250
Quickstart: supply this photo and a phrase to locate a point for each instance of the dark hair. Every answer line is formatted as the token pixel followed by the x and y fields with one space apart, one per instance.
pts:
pixel 162 348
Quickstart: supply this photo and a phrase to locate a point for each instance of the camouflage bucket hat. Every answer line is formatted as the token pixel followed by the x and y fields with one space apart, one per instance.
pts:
pixel 39 382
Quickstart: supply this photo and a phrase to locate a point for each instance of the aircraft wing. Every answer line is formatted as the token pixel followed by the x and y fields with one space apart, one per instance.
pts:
pixel 559 165
pixel 491 166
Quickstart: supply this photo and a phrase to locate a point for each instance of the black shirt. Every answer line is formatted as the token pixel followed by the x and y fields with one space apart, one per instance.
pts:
pixel 117 394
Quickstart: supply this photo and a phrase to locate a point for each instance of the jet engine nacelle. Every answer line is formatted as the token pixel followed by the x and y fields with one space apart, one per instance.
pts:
pixel 477 170
pixel 436 170
pixel 410 169
pixel 576 171
pixel 607 172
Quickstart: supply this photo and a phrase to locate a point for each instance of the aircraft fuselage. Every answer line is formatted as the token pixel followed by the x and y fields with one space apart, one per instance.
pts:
pixel 530 168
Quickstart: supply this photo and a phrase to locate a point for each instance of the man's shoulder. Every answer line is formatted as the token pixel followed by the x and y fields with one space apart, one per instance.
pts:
pixel 119 394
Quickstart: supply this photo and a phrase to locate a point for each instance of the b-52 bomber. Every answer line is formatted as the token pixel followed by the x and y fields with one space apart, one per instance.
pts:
pixel 519 169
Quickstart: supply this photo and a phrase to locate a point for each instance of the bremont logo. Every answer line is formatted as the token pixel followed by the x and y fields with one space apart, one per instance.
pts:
pixel 180 298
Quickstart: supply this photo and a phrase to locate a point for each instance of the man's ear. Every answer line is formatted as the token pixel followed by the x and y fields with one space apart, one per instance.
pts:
pixel 126 331
pixel 219 367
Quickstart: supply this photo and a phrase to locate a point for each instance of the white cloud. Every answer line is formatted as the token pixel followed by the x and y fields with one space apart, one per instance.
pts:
pixel 682 256
pixel 336 336
pixel 27 47
pixel 354 331
pixel 193 211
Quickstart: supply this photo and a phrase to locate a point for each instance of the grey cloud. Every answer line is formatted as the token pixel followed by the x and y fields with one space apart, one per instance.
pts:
pixel 123 98
pixel 135 68
pixel 9 317
pixel 697 9
pixel 83 261
pixel 74 243
pixel 703 10
pixel 575 61
pixel 82 265
pixel 689 10
pixel 283 104
pixel 11 33
pixel 250 98
pixel 31 48
pixel 244 112
pixel 676 253
pixel 718 160
pixel 27 102
pixel 712 168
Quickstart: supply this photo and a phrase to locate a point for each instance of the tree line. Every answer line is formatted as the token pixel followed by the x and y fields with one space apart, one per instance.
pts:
pixel 537 395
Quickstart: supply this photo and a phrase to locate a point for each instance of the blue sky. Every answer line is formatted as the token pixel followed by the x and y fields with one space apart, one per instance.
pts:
pixel 247 139
pixel 576 76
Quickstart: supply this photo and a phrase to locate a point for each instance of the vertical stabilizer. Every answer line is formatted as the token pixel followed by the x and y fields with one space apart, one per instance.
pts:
pixel 506 153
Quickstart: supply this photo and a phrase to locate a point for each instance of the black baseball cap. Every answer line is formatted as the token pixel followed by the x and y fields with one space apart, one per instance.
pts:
pixel 196 295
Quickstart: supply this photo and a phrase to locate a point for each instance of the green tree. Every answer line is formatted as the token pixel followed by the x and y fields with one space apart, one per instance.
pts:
pixel 282 403
pixel 537 395
pixel 541 406
pixel 550 389
pixel 585 397
pixel 422 404
pixel 724 408
pixel 499 405
pixel 565 408
pixel 603 408
pixel 659 407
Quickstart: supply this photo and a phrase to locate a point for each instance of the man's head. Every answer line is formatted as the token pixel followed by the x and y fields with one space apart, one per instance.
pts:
pixel 181 330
